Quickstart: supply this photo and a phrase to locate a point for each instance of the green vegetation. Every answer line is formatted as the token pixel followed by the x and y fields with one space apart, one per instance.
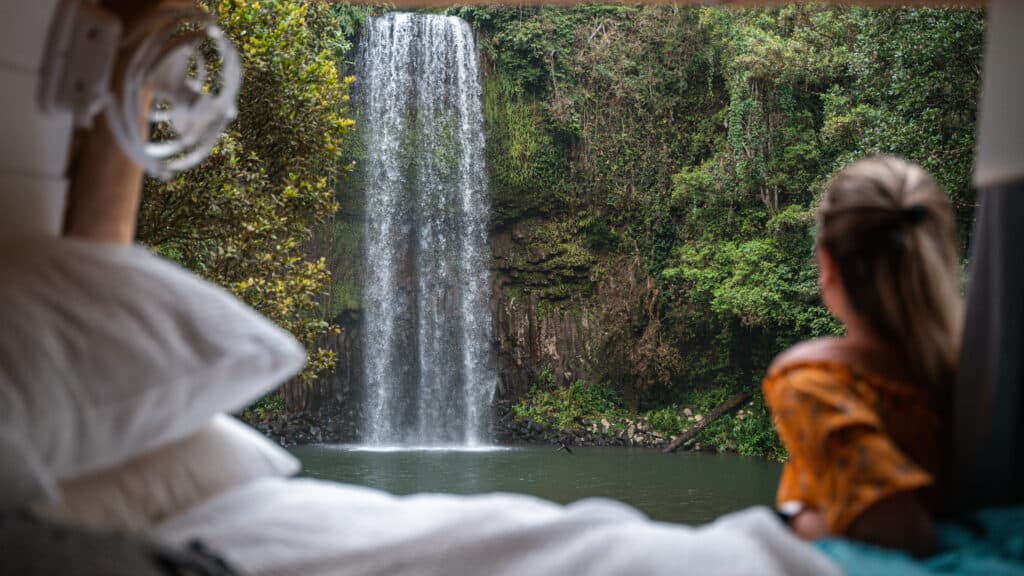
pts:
pixel 668 420
pixel 684 149
pixel 245 217
pixel 748 431
pixel 266 408
pixel 565 407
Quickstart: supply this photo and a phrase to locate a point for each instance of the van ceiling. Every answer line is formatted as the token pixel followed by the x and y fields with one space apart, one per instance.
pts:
pixel 735 3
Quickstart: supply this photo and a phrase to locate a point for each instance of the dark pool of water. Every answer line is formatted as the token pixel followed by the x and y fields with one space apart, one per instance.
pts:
pixel 688 488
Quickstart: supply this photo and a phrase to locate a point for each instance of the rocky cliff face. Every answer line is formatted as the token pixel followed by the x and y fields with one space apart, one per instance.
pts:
pixel 333 402
pixel 542 315
pixel 581 310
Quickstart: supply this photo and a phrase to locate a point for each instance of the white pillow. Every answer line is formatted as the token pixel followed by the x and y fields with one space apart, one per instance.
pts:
pixel 150 488
pixel 109 351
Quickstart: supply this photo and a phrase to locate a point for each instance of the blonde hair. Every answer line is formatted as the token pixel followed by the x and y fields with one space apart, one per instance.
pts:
pixel 890 229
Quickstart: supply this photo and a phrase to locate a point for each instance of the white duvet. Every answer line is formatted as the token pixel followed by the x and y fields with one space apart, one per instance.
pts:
pixel 311 527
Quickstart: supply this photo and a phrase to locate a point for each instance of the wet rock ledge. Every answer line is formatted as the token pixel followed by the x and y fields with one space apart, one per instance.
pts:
pixel 301 428
pixel 635 432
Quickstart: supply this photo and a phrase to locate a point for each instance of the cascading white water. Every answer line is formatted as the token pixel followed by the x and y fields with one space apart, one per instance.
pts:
pixel 429 376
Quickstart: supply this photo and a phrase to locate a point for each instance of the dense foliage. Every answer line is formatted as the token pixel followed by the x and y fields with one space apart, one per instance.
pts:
pixel 244 218
pixel 579 406
pixel 699 139
pixel 565 407
pixel 686 148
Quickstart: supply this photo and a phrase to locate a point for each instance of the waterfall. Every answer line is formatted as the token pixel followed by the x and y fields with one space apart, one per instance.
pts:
pixel 428 370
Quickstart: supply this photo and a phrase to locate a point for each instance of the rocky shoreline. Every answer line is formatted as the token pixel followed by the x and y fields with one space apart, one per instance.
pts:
pixel 299 428
pixel 634 433
pixel 303 428
pixel 629 432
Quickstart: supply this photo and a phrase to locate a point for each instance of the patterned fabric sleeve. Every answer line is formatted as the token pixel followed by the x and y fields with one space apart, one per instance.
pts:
pixel 841 460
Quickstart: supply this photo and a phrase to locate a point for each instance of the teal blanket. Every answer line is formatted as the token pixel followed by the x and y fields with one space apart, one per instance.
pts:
pixel 994 547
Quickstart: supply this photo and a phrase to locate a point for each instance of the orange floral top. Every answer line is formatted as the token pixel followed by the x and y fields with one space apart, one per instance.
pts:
pixel 853 438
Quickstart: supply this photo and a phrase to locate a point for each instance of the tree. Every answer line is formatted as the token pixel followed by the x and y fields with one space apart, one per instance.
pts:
pixel 914 92
pixel 245 216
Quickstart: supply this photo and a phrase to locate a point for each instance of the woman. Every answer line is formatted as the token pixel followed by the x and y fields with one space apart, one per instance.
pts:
pixel 863 415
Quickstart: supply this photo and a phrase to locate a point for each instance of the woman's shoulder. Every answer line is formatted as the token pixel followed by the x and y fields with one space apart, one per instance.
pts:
pixel 822 352
pixel 819 378
pixel 841 359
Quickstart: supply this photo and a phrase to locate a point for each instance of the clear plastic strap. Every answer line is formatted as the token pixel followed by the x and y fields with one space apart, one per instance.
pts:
pixel 161 60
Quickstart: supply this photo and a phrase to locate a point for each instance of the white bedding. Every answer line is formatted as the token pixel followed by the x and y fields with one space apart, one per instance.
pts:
pixel 289 527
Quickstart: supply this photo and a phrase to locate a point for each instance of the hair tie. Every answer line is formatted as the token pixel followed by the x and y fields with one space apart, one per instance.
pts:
pixel 914 215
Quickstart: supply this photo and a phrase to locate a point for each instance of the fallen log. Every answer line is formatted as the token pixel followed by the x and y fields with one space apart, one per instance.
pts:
pixel 723 408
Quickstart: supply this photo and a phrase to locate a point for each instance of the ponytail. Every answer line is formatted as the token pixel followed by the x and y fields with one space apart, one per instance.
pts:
pixel 890 229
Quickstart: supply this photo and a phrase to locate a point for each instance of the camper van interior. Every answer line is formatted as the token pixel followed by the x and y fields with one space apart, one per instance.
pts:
pixel 120 369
